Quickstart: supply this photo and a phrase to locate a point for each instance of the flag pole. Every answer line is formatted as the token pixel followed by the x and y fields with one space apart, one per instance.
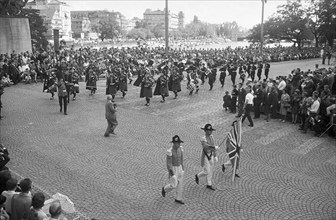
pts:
pixel 234 169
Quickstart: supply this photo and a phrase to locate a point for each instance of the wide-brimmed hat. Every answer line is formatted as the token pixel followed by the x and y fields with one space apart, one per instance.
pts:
pixel 176 139
pixel 208 127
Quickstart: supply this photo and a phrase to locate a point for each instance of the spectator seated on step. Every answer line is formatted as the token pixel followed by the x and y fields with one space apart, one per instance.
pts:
pixel 20 205
pixel 3 214
pixel 37 203
pixel 55 211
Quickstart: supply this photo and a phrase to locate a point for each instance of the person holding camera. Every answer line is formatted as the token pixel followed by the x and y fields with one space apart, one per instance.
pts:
pixel 110 115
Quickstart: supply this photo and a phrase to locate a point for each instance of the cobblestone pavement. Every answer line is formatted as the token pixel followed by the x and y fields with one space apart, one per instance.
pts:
pixel 284 174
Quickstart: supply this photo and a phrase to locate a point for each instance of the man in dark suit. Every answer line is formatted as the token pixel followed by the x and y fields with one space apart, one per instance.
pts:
pixel 241 99
pixel 110 115
pixel 258 95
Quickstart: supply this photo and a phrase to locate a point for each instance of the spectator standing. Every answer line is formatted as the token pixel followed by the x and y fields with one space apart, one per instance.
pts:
pixel 2 91
pixel 9 193
pixel 20 205
pixel 241 100
pixel 295 103
pixel 312 112
pixel 227 101
pixel 37 203
pixel 284 105
pixel 234 95
pixel 257 100
pixel 3 214
pixel 248 105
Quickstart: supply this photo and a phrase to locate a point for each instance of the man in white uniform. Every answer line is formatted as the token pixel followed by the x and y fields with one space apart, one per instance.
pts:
pixel 175 169
pixel 208 157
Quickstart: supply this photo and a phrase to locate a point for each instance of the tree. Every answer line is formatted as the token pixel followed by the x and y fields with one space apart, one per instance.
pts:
pixel 327 18
pixel 140 33
pixel 289 23
pixel 37 28
pixel 158 31
pixel 109 28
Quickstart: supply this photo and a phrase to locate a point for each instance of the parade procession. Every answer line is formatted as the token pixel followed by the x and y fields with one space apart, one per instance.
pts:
pixel 172 116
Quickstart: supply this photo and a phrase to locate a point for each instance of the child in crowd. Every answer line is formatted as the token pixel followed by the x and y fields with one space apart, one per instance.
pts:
pixel 234 95
pixel 227 101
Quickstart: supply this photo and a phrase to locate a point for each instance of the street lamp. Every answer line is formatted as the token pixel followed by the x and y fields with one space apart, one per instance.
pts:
pixel 262 26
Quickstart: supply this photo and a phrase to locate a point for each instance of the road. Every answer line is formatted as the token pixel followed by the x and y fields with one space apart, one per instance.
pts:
pixel 284 174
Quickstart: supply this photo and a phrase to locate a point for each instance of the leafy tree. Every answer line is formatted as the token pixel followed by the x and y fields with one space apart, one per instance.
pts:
pixel 37 28
pixel 158 31
pixel 141 24
pixel 109 28
pixel 327 19
pixel 140 33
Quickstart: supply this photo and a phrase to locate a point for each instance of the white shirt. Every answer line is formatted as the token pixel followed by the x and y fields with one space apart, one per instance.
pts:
pixel 315 106
pixel 282 85
pixel 249 98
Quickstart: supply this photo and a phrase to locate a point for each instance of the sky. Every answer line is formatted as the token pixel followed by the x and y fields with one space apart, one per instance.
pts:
pixel 246 13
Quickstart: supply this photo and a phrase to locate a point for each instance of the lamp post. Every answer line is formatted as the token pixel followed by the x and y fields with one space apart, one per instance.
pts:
pixel 166 30
pixel 262 26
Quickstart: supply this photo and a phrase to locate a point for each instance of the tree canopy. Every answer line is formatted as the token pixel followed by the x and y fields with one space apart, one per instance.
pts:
pixel 37 28
pixel 298 22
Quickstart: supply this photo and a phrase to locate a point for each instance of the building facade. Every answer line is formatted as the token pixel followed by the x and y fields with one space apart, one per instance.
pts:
pixel 56 15
pixel 157 17
pixel 81 28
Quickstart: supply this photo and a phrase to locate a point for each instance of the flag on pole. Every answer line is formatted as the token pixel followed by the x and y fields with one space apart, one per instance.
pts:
pixel 233 145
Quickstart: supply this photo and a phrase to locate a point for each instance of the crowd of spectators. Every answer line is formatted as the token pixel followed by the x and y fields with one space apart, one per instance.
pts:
pixel 17 201
pixel 307 98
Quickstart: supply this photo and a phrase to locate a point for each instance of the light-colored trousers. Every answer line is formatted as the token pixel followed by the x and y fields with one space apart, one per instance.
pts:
pixel 176 181
pixel 207 170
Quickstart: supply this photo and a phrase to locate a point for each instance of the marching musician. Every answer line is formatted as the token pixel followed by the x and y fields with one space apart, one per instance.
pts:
pixel 91 80
pixel 162 85
pixel 123 75
pixel 50 83
pixel 146 86
pixel 75 81
pixel 112 81
pixel 68 82
pixel 222 74
pixel 175 80
pixel 212 77
pixel 208 157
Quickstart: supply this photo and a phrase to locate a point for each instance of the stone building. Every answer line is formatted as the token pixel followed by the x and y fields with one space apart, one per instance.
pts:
pixel 56 15
pixel 157 17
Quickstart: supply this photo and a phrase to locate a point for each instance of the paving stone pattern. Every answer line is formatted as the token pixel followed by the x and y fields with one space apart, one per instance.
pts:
pixel 284 174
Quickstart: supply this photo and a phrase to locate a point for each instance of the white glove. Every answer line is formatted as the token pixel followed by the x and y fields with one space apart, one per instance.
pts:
pixel 216 159
pixel 216 147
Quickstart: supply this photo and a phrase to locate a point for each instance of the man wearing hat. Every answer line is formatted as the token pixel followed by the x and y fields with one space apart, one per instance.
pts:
pixel 208 157
pixel 175 169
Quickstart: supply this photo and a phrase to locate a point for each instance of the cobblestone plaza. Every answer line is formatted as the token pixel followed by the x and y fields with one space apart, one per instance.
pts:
pixel 284 174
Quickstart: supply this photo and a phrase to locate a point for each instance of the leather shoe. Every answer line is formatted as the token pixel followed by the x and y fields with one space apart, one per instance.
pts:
pixel 106 135
pixel 196 179
pixel 65 113
pixel 250 125
pixel 236 175
pixel 223 168
pixel 163 192
pixel 179 201
pixel 210 187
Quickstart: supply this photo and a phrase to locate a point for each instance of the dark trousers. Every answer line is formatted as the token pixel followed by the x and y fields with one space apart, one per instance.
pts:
pixel 257 110
pixel 240 108
pixel 110 127
pixel 222 81
pixel 233 105
pixel 63 100
pixel 247 114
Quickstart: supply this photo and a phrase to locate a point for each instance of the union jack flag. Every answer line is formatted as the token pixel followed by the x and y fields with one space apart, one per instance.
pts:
pixel 233 142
